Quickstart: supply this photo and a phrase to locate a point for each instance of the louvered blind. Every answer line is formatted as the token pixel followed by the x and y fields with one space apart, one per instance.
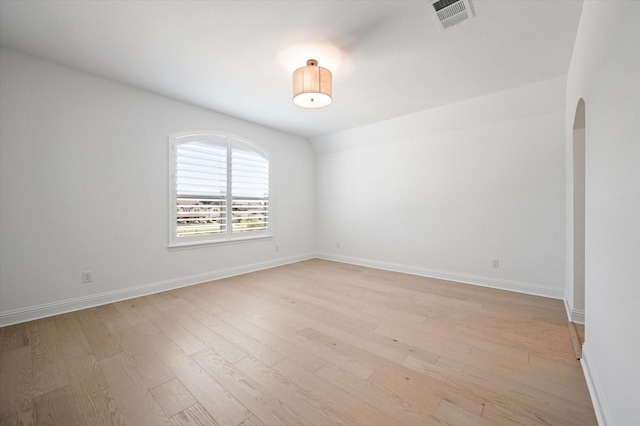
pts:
pixel 201 188
pixel 250 190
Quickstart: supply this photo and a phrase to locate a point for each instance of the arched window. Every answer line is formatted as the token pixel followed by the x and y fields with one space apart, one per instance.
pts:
pixel 219 189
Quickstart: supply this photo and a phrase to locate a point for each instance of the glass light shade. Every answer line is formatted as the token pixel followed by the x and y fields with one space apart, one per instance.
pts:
pixel 312 86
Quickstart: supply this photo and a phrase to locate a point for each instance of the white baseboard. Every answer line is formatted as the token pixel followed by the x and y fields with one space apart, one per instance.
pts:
pixel 574 315
pixel 519 287
pixel 567 308
pixel 577 316
pixel 55 308
pixel 595 391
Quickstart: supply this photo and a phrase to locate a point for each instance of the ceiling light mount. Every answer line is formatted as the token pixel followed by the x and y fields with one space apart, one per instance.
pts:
pixel 312 86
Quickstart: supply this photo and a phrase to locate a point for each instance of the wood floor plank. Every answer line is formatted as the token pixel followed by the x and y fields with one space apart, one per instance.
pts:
pixel 375 396
pixel 444 389
pixel 424 340
pixel 392 314
pixel 149 310
pixel 304 358
pixel 406 348
pixel 102 343
pixel 146 363
pixel 49 367
pixel 519 398
pixel 16 389
pixel 2 332
pixel 214 398
pixel 129 310
pixel 15 336
pixel 523 372
pixel 71 336
pixel 238 338
pixel 485 384
pixel 371 360
pixel 407 388
pixel 173 397
pixel 348 363
pixel 136 403
pixel 195 415
pixel 56 408
pixel 514 413
pixel 262 404
pixel 108 313
pixel 276 323
pixel 165 301
pixel 202 333
pixel 549 344
pixel 190 340
pixel 95 404
pixel 561 385
pixel 307 405
pixel 309 343
pixel 453 415
pixel 394 377
pixel 146 329
pixel 557 365
pixel 234 300
pixel 252 421
pixel 350 405
pixel 322 312
pixel 450 304
pixel 365 341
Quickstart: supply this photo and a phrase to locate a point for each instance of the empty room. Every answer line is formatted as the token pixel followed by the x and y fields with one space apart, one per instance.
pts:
pixel 420 212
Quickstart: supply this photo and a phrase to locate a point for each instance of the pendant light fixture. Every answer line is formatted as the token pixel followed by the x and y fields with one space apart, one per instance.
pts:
pixel 312 86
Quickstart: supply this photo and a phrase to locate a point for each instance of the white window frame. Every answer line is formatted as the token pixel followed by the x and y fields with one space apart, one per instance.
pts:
pixel 227 236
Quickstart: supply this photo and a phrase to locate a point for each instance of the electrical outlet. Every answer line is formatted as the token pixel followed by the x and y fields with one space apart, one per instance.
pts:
pixel 87 277
pixel 277 249
pixel 337 245
pixel 495 263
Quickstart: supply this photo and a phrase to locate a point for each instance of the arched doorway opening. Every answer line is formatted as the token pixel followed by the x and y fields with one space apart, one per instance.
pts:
pixel 579 166
pixel 579 189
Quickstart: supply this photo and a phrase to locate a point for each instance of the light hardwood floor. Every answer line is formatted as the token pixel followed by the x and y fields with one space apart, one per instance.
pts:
pixel 312 343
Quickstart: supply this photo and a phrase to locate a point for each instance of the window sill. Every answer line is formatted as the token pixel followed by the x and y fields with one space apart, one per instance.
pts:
pixel 197 244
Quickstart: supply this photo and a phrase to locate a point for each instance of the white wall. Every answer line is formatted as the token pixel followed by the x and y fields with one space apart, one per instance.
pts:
pixel 444 191
pixel 605 72
pixel 84 186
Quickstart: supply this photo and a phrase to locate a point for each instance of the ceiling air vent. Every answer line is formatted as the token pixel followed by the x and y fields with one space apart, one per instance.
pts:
pixel 451 12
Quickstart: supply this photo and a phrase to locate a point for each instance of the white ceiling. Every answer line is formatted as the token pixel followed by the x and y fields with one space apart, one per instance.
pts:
pixel 388 58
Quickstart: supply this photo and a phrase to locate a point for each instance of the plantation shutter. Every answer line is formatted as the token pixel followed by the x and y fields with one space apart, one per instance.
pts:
pixel 249 189
pixel 201 188
pixel 219 190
